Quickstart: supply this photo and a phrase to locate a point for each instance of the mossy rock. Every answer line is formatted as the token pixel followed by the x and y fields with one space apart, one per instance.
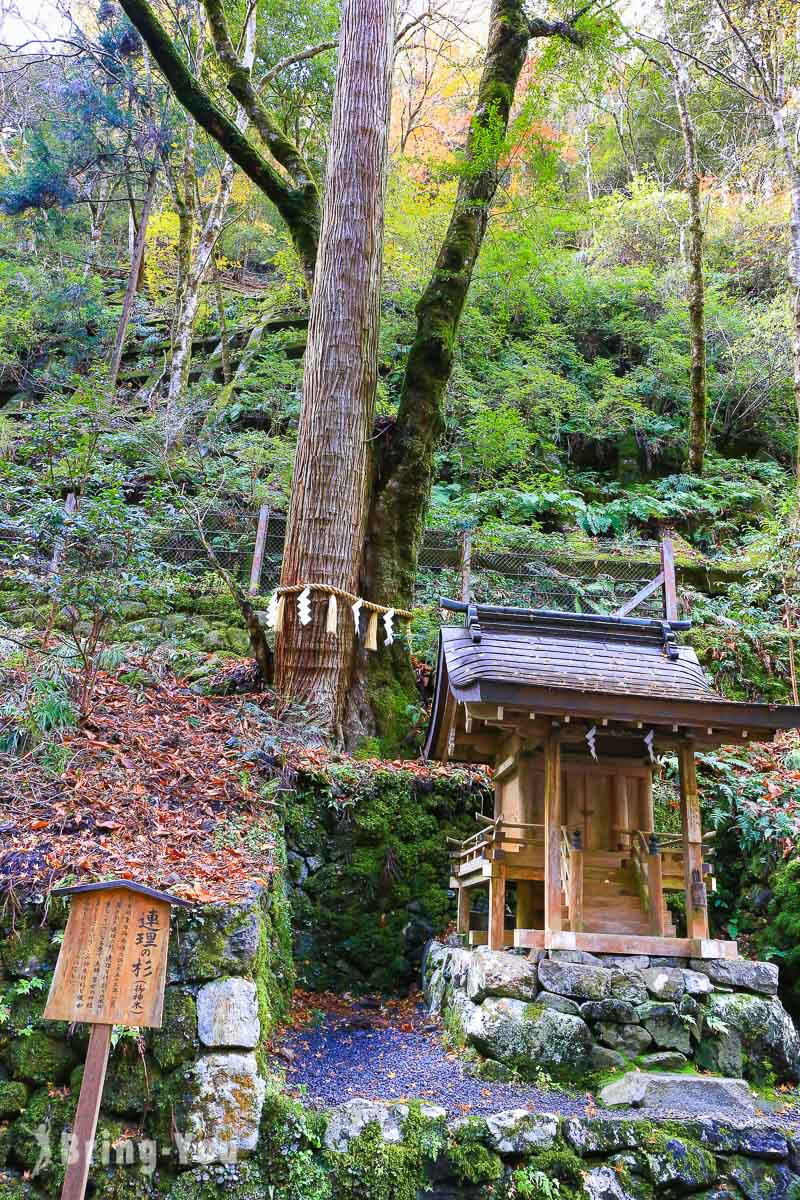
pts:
pixel 237 640
pixel 36 1136
pixel 469 1160
pixel 176 1041
pixel 40 1059
pixel 14 1187
pixel 240 1181
pixel 28 953
pixel 678 1164
pixel 561 1164
pixel 130 1084
pixel 172 1100
pixel 147 630
pixel 392 848
pixel 762 1180
pixel 374 1169
pixel 26 1014
pixel 132 610
pixel 216 940
pixel 27 617
pixel 13 1098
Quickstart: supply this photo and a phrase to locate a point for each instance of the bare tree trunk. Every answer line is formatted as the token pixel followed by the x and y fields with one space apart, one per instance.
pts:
pixel 698 395
pixel 793 170
pixel 223 334
pixel 133 278
pixel 98 213
pixel 327 513
pixel 187 314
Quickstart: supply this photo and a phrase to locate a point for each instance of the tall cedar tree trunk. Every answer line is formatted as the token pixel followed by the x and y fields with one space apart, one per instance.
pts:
pixel 793 171
pixel 328 508
pixel 137 258
pixel 404 456
pixel 187 314
pixel 698 395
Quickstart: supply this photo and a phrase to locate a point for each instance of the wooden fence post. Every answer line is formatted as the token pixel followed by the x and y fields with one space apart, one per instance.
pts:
pixel 70 508
pixel 552 834
pixel 466 565
pixel 258 551
pixel 670 585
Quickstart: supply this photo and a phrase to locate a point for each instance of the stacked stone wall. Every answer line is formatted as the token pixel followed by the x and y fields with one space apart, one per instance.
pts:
pixel 572 1014
pixel 176 1099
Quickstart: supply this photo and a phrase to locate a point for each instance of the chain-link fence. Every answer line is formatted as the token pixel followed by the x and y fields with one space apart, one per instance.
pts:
pixel 537 571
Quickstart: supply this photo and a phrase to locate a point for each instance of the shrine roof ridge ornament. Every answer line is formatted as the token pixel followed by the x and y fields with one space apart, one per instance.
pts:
pixel 106 885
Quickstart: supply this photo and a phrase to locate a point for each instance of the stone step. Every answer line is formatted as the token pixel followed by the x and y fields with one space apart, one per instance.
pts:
pixel 711 1096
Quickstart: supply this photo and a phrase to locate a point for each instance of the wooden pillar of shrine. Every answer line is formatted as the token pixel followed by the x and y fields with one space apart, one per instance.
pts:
pixel 497 906
pixel 526 889
pixel 552 833
pixel 696 896
pixel 620 824
pixel 462 919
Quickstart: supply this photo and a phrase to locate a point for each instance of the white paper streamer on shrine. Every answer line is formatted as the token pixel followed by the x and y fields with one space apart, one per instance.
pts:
pixel 590 741
pixel 304 607
pixel 388 618
pixel 272 610
pixel 648 741
pixel 356 610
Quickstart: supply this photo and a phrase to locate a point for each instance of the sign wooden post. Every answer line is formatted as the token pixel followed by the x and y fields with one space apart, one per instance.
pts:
pixel 111 970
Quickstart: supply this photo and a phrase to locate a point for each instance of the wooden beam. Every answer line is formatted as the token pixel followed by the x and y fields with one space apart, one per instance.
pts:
pixel 465 565
pixel 641 595
pixel 670 584
pixel 576 891
pixel 695 888
pixel 619 812
pixel 552 833
pixel 479 937
pixel 655 894
pixel 626 943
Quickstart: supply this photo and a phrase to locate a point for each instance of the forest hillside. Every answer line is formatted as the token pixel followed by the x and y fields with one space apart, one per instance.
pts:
pixel 551 320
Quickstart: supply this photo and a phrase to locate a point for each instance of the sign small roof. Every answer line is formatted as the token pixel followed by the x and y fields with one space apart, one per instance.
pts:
pixel 128 884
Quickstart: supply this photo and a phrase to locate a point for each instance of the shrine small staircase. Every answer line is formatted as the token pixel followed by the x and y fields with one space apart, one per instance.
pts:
pixel 611 897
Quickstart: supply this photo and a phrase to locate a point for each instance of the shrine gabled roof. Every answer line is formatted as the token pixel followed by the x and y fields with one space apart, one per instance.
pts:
pixel 584 665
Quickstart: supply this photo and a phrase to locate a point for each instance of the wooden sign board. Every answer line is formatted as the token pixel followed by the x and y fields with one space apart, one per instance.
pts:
pixel 112 965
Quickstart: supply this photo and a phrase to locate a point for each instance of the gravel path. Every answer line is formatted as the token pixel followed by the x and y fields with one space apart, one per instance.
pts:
pixel 365 1055
pixel 336 1061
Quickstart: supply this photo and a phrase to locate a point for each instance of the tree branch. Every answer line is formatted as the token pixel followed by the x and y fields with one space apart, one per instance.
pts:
pixel 291 59
pixel 240 85
pixel 299 207
pixel 539 27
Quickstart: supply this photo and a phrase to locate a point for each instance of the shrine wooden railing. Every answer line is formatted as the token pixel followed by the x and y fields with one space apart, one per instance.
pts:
pixel 647 865
pixel 496 834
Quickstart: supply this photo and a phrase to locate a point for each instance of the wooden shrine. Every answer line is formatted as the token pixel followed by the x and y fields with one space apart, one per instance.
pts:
pixel 571 710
